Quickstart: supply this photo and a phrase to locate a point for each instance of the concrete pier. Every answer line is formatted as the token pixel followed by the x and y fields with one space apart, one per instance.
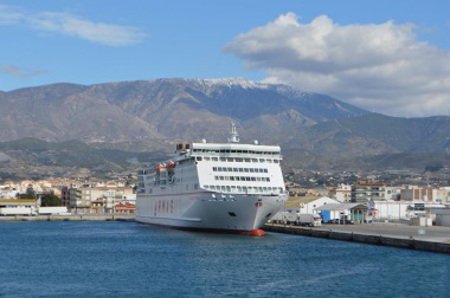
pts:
pixel 70 217
pixel 434 239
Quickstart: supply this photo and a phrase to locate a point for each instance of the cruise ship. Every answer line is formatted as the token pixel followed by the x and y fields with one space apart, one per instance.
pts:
pixel 220 187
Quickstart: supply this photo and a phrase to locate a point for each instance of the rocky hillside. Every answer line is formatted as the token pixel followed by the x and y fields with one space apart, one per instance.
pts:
pixel 374 134
pixel 314 130
pixel 164 110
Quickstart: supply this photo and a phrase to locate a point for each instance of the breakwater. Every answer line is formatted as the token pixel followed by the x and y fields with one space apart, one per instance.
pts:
pixel 400 241
pixel 70 217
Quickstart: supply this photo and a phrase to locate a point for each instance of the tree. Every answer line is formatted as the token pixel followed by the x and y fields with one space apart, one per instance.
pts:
pixel 30 191
pixel 26 196
pixel 50 200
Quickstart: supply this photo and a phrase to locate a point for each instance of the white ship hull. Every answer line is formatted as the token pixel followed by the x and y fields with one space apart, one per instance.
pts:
pixel 209 211
pixel 227 187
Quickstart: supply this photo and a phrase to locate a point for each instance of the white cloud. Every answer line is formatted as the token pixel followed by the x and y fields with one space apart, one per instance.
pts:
pixel 107 34
pixel 18 72
pixel 67 24
pixel 380 67
pixel 10 15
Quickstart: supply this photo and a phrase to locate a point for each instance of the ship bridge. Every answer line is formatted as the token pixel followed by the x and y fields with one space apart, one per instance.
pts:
pixel 236 150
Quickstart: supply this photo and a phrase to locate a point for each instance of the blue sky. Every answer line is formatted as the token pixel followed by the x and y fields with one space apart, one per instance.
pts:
pixel 90 42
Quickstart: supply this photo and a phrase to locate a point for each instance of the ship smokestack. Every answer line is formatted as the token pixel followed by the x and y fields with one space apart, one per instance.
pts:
pixel 234 137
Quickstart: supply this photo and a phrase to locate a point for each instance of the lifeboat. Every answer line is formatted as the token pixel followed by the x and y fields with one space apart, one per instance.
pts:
pixel 171 165
pixel 159 167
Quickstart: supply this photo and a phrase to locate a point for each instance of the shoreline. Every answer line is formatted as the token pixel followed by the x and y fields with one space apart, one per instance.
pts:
pixel 432 239
pixel 70 217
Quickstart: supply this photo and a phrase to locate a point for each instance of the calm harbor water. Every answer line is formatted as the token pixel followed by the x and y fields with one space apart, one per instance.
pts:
pixel 126 259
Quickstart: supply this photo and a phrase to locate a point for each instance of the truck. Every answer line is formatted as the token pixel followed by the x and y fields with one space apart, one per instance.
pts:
pixel 53 210
pixel 311 220
pixel 284 217
pixel 5 211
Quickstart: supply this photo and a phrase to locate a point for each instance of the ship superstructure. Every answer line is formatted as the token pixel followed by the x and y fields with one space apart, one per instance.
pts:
pixel 215 186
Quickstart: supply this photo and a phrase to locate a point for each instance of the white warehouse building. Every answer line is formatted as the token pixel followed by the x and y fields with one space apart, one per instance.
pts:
pixel 390 210
pixel 308 205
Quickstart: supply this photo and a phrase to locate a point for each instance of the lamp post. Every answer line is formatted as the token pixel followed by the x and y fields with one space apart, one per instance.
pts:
pixel 113 207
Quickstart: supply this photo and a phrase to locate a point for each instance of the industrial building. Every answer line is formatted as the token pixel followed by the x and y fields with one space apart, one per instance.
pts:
pixel 442 216
pixel 390 210
pixel 308 205
pixel 19 206
pixel 343 211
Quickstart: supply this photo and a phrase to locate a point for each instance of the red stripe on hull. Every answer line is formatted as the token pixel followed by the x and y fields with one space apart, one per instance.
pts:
pixel 254 232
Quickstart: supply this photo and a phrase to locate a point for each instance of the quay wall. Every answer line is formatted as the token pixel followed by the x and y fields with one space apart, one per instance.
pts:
pixel 401 242
pixel 70 217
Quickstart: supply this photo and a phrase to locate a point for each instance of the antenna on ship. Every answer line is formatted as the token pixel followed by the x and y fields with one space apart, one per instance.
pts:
pixel 234 137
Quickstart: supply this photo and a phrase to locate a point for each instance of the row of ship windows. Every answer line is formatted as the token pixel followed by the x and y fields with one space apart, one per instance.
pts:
pixel 163 185
pixel 244 170
pixel 236 159
pixel 242 188
pixel 236 151
pixel 241 178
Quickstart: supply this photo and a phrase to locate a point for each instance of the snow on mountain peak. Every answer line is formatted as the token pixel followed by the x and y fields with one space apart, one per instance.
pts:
pixel 235 82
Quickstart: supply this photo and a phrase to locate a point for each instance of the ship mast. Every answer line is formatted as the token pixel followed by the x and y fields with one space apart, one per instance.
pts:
pixel 234 137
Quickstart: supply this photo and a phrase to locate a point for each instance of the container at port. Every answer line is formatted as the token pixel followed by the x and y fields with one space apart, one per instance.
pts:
pixel 326 216
pixel 285 217
pixel 17 211
pixel 53 211
pixel 312 220
pixel 421 221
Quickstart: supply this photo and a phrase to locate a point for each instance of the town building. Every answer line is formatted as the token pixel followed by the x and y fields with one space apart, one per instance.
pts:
pixel 307 205
pixel 392 192
pixel 343 193
pixel 7 193
pixel 367 190
pixel 65 196
pixel 441 195
pixel 125 208
pixel 417 193
pixel 87 199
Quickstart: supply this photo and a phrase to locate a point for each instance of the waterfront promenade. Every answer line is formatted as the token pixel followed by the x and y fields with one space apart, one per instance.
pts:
pixel 436 239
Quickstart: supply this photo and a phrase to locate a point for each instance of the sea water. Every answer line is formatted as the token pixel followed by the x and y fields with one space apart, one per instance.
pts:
pixel 128 259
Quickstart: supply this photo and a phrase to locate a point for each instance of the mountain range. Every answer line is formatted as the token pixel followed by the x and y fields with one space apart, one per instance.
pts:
pixel 153 115
pixel 163 110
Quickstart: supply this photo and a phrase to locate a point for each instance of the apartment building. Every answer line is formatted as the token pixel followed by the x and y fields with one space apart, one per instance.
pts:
pixel 367 190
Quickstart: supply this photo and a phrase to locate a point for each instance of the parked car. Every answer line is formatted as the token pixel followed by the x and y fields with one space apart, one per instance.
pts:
pixel 334 221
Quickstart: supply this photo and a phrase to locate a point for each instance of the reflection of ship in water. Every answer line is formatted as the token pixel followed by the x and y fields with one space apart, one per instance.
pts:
pixel 214 186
